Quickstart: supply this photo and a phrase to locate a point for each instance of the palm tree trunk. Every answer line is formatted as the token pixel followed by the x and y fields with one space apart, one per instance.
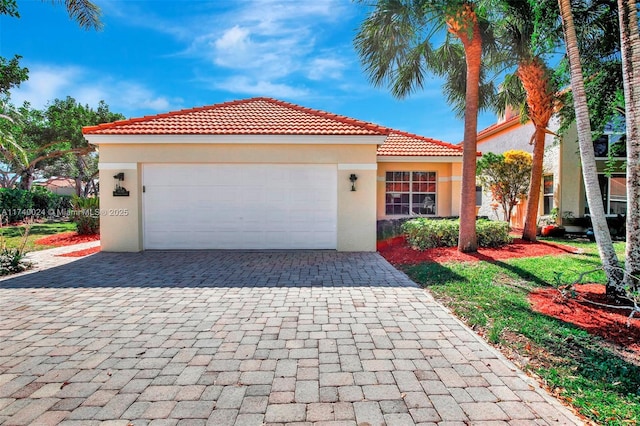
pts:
pixel 534 76
pixel 589 171
pixel 630 46
pixel 467 238
pixel 533 198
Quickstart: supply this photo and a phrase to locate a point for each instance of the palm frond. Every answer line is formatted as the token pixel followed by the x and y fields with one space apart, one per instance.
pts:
pixel 394 44
pixel 511 95
pixel 86 13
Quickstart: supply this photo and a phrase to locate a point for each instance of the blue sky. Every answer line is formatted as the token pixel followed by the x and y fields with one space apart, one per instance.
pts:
pixel 156 56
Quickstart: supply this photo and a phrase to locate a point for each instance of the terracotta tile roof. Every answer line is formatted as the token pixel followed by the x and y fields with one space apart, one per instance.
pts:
pixel 407 144
pixel 255 116
pixel 267 116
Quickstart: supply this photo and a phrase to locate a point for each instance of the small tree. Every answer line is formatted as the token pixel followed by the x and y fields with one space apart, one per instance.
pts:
pixel 507 176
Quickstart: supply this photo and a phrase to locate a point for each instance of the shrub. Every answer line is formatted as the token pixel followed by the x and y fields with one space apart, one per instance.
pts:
pixel 12 260
pixel 86 215
pixel 18 204
pixel 424 233
pixel 15 203
pixel 492 233
pixel 47 201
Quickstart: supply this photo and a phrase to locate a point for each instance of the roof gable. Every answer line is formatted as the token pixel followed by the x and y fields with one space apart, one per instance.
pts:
pixel 267 116
pixel 255 116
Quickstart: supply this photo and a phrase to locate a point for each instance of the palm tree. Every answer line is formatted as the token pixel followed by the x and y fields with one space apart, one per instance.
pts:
pixel 630 47
pixel 395 45
pixel 589 171
pixel 518 32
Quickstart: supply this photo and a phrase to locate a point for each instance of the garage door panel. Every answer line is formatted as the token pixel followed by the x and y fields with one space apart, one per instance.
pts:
pixel 200 206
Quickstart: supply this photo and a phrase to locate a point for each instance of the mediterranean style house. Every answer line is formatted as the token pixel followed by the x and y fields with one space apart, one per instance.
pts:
pixel 261 173
pixel 562 187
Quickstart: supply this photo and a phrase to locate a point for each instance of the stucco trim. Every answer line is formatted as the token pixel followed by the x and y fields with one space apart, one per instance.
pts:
pixel 237 139
pixel 361 166
pixel 420 159
pixel 117 166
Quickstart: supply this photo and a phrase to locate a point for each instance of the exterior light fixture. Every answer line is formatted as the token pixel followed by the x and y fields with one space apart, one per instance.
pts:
pixel 120 191
pixel 353 178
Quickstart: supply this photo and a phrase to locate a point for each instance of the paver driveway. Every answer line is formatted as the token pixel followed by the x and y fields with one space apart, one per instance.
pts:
pixel 240 338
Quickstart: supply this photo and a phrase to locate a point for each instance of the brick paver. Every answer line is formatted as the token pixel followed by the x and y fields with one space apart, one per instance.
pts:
pixel 246 338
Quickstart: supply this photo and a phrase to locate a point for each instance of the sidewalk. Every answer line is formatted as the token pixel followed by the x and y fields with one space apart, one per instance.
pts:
pixel 50 258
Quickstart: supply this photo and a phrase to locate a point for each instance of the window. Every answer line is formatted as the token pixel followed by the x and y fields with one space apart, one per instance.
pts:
pixel 410 193
pixel 547 194
pixel 478 195
pixel 614 194
pixel 610 144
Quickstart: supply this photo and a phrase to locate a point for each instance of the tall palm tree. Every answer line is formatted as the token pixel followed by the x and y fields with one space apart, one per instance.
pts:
pixel 589 171
pixel 395 45
pixel 518 32
pixel 630 47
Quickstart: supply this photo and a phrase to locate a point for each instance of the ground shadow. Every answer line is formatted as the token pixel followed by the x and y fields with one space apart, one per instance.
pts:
pixel 218 268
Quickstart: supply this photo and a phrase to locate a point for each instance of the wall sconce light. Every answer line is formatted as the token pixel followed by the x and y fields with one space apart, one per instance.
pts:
pixel 120 191
pixel 353 178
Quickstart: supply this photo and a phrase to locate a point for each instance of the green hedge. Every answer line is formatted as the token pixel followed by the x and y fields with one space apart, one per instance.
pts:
pixel 492 233
pixel 424 233
pixel 18 204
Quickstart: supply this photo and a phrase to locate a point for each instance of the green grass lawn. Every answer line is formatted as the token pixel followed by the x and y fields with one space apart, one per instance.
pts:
pixel 13 235
pixel 492 298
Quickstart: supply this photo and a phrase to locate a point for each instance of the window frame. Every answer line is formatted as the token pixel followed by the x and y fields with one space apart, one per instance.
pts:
pixel 548 195
pixel 606 197
pixel 411 193
pixel 620 138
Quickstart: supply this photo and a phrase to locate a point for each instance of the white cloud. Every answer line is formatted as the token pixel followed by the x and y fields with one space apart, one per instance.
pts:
pixel 233 39
pixel 323 68
pixel 259 44
pixel 47 83
pixel 260 88
pixel 265 41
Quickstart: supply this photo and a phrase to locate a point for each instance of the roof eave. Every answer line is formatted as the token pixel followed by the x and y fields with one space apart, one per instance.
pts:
pixel 419 158
pixel 286 139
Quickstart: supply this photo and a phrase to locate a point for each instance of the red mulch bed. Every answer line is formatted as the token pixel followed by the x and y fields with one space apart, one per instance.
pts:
pixel 66 239
pixel 397 252
pixel 81 253
pixel 608 323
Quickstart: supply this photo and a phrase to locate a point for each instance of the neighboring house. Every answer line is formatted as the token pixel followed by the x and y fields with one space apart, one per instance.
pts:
pixel 562 186
pixel 265 174
pixel 58 185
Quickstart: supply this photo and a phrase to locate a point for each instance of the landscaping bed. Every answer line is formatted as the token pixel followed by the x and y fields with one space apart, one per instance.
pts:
pixel 66 239
pixel 81 253
pixel 71 238
pixel 589 309
pixel 398 252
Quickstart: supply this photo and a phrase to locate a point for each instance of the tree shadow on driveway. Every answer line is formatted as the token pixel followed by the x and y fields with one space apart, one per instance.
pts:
pixel 218 268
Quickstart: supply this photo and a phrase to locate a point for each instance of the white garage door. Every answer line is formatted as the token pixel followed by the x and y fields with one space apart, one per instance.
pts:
pixel 240 206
